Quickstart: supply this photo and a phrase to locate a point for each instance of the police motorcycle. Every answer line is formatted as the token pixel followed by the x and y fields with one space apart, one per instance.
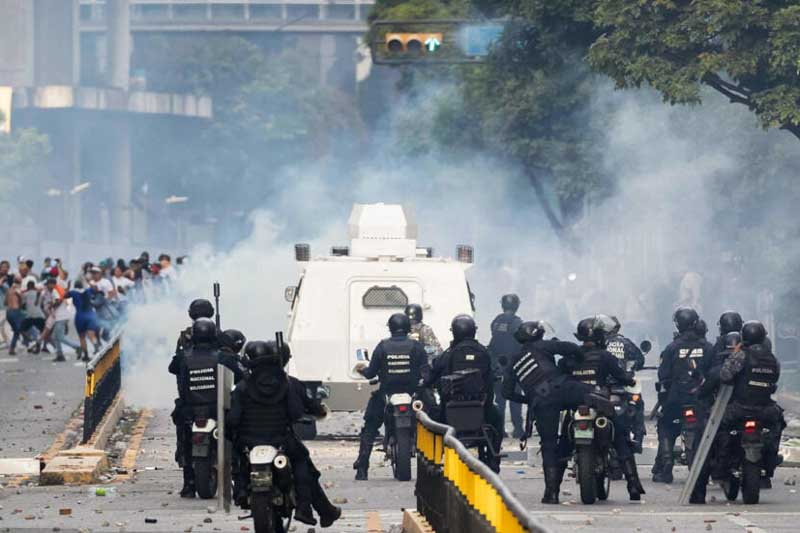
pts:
pixel 271 488
pixel 591 434
pixel 204 455
pixel 746 453
pixel 463 410
pixel 401 431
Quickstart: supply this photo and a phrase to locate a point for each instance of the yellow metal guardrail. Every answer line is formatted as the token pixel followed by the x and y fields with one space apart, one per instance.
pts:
pixel 456 492
pixel 103 382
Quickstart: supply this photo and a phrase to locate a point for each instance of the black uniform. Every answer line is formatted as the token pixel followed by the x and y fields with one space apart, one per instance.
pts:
pixel 179 414
pixel 502 347
pixel 680 375
pixel 469 354
pixel 599 368
pixel 630 357
pixel 399 363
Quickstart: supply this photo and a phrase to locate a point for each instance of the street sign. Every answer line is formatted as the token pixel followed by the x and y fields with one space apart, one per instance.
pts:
pixel 432 44
pixel 477 39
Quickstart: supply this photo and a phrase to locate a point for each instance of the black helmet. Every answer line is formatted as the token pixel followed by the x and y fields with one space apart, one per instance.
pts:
pixel 753 332
pixel 685 318
pixel 594 329
pixel 399 324
pixel 463 327
pixel 201 308
pixel 262 353
pixel 510 302
pixel 730 321
pixel 732 339
pixel 617 325
pixel 414 313
pixel 233 339
pixel 285 352
pixel 701 328
pixel 529 331
pixel 204 331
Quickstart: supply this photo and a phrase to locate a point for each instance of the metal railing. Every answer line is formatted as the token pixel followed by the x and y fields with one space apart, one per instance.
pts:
pixel 103 382
pixel 456 492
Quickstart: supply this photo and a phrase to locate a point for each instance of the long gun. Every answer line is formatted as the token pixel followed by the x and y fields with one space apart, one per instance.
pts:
pixel 216 304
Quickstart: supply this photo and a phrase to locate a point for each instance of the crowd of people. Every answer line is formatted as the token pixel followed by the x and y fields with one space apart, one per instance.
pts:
pixel 41 308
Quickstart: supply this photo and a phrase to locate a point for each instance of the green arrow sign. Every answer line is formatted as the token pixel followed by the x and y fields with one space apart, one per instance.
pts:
pixel 432 44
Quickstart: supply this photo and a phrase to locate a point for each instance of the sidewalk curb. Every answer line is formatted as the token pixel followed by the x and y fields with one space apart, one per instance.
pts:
pixel 413 522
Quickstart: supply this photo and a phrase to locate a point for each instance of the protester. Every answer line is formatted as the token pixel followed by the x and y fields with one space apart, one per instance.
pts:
pixel 33 323
pixel 14 312
pixel 6 280
pixel 85 318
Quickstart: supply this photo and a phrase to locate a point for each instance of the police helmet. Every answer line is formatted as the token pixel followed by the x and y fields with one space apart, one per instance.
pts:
pixel 414 313
pixel 753 332
pixel 233 339
pixel 594 329
pixel 732 340
pixel 685 318
pixel 529 331
pixel 730 321
pixel 201 308
pixel 701 328
pixel 399 324
pixel 510 302
pixel 262 353
pixel 617 324
pixel 204 331
pixel 463 327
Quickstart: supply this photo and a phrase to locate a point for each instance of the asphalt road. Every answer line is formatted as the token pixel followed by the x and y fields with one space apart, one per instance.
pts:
pixel 378 503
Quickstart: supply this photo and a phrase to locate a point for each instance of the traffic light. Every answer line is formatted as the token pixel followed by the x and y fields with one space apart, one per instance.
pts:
pixel 412 44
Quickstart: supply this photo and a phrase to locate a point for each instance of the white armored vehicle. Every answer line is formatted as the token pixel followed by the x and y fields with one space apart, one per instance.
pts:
pixel 342 302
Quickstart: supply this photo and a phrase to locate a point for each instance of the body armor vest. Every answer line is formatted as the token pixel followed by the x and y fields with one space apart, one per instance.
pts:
pixel 264 420
pixel 469 355
pixel 688 357
pixel 201 377
pixel 398 373
pixel 590 370
pixel 757 381
pixel 534 367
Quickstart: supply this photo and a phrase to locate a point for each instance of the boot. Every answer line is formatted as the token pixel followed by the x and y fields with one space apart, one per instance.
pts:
pixel 667 461
pixel 552 484
pixel 635 489
pixel 328 513
pixel 188 490
pixel 698 496
pixel 361 465
pixel 304 514
pixel 59 358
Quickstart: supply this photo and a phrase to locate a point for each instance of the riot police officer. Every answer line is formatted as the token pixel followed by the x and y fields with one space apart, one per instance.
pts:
pixel 422 332
pixel 199 308
pixel 630 358
pixel 753 371
pixel 231 342
pixel 599 368
pixel 503 346
pixel 547 391
pixel 264 406
pixel 400 363
pixel 679 379
pixel 466 353
pixel 729 322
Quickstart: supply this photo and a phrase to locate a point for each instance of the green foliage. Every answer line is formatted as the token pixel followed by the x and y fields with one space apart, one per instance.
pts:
pixel 23 176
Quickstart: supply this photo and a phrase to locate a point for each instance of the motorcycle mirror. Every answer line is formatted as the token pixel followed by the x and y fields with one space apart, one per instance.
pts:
pixel 646 346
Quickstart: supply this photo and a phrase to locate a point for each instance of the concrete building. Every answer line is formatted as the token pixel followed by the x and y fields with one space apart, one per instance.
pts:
pixel 90 210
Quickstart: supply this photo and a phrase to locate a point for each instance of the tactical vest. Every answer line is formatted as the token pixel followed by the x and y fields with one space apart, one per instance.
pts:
pixel 201 376
pixel 590 369
pixel 469 355
pixel 398 373
pixel 756 382
pixel 534 368
pixel 688 357
pixel 617 348
pixel 264 421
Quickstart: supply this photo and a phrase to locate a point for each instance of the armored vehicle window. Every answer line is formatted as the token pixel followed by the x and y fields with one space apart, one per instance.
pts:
pixel 385 297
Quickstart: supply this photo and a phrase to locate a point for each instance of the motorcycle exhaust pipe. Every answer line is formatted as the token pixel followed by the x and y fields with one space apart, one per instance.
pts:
pixel 280 461
pixel 417 405
pixel 601 422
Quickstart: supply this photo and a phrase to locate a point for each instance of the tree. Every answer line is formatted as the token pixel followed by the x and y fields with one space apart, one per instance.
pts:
pixel 23 176
pixel 747 50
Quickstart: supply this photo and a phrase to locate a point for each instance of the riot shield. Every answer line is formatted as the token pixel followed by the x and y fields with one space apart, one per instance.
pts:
pixel 710 432
pixel 224 448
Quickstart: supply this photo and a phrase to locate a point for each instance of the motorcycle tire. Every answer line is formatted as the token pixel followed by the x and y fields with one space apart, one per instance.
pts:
pixel 586 477
pixel 263 514
pixel 401 455
pixel 730 487
pixel 205 479
pixel 603 482
pixel 751 482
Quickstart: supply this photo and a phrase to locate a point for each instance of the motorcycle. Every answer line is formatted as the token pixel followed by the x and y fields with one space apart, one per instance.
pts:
pixel 592 436
pixel 689 428
pixel 270 490
pixel 204 456
pixel 400 436
pixel 746 455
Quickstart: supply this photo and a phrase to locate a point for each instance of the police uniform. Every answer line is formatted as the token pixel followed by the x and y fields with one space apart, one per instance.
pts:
pixel 502 347
pixel 627 352
pixel 469 354
pixel 179 413
pixel 680 375
pixel 424 334
pixel 399 363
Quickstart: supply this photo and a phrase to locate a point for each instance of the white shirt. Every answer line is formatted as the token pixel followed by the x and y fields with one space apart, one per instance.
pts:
pixel 65 311
pixel 104 285
pixel 122 283
pixel 168 273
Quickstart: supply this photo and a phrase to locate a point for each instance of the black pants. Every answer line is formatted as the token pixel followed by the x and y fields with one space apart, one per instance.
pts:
pixel 514 407
pixel 304 474
pixel 568 394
